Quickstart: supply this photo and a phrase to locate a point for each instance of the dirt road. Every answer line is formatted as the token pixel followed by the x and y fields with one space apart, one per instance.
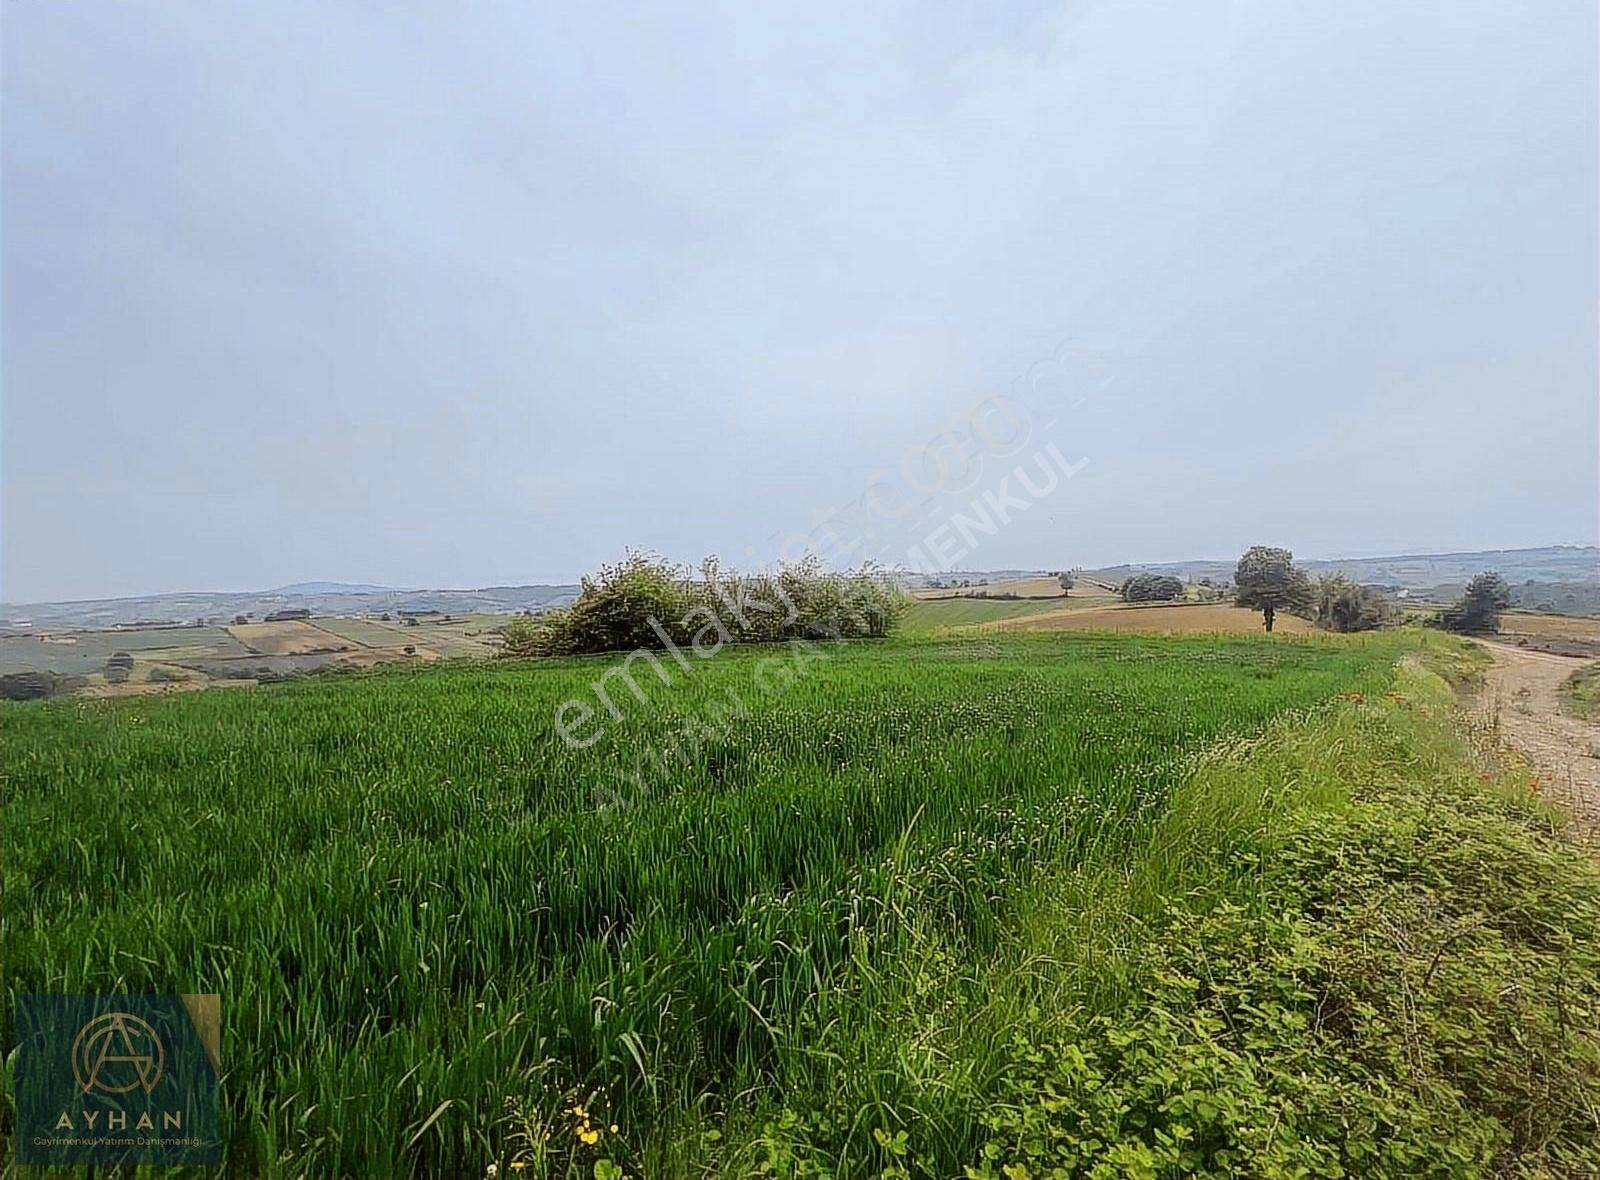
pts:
pixel 1522 691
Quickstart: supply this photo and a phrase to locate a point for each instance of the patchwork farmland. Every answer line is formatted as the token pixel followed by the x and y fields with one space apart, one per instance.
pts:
pixel 176 658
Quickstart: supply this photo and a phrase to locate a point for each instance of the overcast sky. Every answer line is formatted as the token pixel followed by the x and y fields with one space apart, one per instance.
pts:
pixel 456 295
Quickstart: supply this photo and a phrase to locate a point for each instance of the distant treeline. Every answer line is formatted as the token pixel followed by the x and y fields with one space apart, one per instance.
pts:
pixel 1566 598
pixel 1560 598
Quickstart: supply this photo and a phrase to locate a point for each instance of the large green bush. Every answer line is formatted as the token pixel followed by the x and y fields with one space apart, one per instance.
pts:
pixel 27 686
pixel 1416 996
pixel 1343 605
pixel 1152 588
pixel 1478 610
pixel 646 602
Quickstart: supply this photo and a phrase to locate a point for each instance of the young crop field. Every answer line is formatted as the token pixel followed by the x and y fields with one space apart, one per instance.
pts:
pixel 925 615
pixel 1196 618
pixel 432 921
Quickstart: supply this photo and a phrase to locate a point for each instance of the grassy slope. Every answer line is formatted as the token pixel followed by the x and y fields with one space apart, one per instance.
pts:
pixel 1581 693
pixel 1342 950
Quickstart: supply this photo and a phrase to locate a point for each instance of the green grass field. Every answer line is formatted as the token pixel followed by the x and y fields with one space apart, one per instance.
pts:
pixel 846 909
pixel 926 615
pixel 409 875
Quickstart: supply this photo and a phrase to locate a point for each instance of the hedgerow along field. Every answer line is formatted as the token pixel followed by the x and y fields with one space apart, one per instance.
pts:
pixel 437 928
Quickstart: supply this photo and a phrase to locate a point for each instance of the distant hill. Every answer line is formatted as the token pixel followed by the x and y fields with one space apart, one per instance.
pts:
pixel 1565 565
pixel 320 598
pixel 298 588
pixel 1415 571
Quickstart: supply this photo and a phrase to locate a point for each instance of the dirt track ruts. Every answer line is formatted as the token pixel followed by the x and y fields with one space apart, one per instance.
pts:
pixel 1523 691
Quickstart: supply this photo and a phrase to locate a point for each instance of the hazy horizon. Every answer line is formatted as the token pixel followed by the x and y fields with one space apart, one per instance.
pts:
pixel 337 585
pixel 482 296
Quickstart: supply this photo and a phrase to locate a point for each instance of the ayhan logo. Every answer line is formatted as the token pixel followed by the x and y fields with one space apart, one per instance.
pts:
pixel 117 1053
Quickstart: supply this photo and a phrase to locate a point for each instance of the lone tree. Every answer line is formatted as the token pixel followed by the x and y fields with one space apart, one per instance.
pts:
pixel 1478 610
pixel 1268 581
pixel 1066 582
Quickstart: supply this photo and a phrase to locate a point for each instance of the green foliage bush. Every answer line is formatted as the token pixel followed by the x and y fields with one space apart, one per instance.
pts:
pixel 27 686
pixel 1478 610
pixel 1152 588
pixel 645 602
pixel 1343 605
pixel 1416 993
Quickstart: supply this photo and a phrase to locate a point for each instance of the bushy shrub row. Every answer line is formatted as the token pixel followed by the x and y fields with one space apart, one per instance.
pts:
pixel 646 602
pixel 36 685
pixel 1342 605
pixel 1152 588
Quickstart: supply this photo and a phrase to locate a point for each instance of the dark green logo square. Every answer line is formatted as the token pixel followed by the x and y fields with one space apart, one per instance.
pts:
pixel 117 1079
